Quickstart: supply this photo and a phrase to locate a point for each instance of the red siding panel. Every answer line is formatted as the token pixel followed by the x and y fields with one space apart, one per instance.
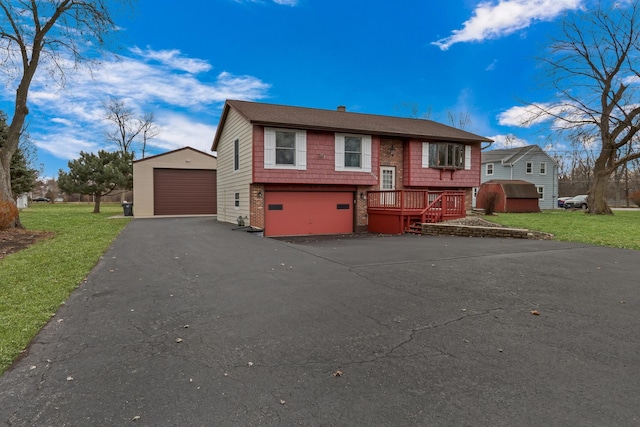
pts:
pixel 320 163
pixel 417 176
pixel 184 192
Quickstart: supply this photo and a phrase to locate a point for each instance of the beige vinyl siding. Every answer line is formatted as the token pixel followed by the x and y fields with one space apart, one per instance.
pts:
pixel 143 175
pixel 232 181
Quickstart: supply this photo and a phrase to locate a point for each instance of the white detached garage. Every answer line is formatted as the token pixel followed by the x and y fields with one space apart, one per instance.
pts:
pixel 180 182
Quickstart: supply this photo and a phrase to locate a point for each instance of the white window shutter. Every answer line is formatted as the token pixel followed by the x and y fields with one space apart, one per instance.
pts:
pixel 339 152
pixel 301 150
pixel 425 154
pixel 366 153
pixel 269 148
pixel 467 157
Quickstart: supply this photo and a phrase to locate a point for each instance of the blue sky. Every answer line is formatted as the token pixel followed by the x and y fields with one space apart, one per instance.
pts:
pixel 392 58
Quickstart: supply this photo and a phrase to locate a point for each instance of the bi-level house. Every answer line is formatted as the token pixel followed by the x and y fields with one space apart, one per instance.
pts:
pixel 529 163
pixel 301 171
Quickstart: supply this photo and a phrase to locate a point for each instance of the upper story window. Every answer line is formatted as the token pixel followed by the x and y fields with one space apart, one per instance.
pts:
pixel 543 168
pixel 285 149
pixel 529 167
pixel 446 155
pixel 489 168
pixel 236 155
pixel 353 152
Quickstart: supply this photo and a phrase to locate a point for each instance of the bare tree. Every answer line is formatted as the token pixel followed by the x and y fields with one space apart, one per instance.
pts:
pixel 460 121
pixel 594 68
pixel 149 130
pixel 128 127
pixel 414 110
pixel 50 31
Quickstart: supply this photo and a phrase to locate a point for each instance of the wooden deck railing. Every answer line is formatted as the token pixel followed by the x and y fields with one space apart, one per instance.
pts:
pixel 418 205
pixel 405 200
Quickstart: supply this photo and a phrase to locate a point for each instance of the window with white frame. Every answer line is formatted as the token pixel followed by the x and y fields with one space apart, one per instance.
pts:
pixel 543 168
pixel 353 152
pixel 236 155
pixel 285 149
pixel 236 200
pixel 540 192
pixel 489 168
pixel 529 168
pixel 446 155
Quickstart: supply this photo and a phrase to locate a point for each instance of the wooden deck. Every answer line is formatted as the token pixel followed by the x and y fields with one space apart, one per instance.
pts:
pixel 396 212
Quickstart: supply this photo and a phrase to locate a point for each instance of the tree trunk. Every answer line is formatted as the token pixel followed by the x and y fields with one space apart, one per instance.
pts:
pixel 597 196
pixel 5 182
pixel 96 207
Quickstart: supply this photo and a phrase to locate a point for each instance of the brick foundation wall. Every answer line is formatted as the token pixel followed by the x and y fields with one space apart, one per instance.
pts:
pixel 256 205
pixel 362 218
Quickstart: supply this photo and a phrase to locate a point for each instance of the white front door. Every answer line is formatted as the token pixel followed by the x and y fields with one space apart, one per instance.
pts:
pixel 388 183
pixel 387 178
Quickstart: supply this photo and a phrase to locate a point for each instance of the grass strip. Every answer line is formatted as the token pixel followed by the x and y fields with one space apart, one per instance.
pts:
pixel 620 230
pixel 36 281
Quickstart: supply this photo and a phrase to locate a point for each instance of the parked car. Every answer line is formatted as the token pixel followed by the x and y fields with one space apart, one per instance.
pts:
pixel 561 201
pixel 40 199
pixel 577 202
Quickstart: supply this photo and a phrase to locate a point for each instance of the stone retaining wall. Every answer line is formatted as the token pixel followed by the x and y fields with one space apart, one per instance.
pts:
pixel 441 229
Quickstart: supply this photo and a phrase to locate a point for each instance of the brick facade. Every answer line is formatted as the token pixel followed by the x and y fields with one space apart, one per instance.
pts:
pixel 256 202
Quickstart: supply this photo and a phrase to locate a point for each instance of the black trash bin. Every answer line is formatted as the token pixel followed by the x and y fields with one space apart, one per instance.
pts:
pixel 128 209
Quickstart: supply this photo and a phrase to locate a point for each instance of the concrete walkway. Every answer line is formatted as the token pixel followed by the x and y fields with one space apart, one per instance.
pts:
pixel 186 322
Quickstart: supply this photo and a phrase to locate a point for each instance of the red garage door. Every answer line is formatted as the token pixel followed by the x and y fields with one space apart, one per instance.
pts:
pixel 303 213
pixel 184 192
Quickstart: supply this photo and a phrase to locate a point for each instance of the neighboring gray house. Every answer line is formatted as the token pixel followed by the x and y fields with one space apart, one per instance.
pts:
pixel 529 163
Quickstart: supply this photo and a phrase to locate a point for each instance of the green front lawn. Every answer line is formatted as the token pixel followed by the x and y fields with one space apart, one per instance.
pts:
pixel 621 230
pixel 36 281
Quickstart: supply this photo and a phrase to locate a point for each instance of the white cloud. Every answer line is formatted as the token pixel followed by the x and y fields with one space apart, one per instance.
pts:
pixel 67 146
pixel 563 116
pixel 507 141
pixel 180 130
pixel 523 116
pixel 492 20
pixel 281 2
pixel 173 59
pixel 181 92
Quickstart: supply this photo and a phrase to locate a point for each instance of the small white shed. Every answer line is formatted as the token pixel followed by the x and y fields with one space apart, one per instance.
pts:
pixel 22 201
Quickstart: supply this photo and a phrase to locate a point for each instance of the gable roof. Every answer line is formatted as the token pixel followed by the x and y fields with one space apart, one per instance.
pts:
pixel 342 121
pixel 174 151
pixel 511 155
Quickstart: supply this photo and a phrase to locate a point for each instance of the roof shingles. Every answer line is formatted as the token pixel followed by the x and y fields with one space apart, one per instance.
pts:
pixel 342 121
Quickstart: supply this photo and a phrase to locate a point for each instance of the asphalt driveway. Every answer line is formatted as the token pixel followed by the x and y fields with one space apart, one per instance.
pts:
pixel 187 322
